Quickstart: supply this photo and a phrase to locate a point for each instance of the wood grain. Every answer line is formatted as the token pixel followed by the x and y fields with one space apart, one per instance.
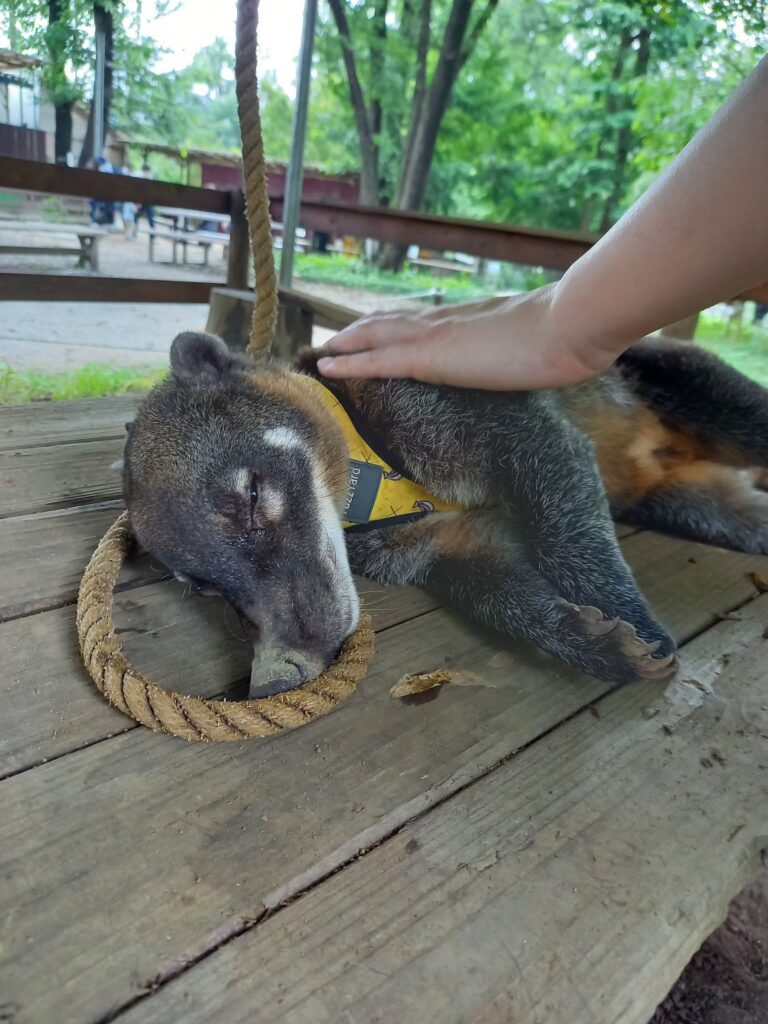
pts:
pixel 166 849
pixel 570 886
pixel 181 641
pixel 43 557
pixel 59 476
pixel 164 624
pixel 50 423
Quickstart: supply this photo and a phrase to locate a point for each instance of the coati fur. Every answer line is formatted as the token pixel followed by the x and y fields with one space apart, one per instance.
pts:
pixel 236 475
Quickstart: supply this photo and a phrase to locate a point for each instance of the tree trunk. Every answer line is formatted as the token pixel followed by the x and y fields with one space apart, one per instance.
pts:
pixel 455 50
pixel 62 101
pixel 102 20
pixel 625 135
pixel 63 137
pixel 369 161
pixel 611 107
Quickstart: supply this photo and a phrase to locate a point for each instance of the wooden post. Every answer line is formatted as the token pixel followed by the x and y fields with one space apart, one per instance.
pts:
pixel 231 310
pixel 239 259
pixel 294 328
pixel 229 316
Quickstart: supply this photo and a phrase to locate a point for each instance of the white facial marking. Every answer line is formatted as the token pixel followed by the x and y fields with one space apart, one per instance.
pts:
pixel 331 530
pixel 243 480
pixel 272 501
pixel 282 437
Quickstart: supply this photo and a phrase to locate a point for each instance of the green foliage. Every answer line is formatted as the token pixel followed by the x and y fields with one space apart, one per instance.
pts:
pixel 92 381
pixel 747 351
pixel 333 268
pixel 532 136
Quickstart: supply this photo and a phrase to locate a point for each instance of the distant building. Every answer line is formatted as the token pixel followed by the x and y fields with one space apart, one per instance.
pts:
pixel 224 171
pixel 20 131
pixel 27 117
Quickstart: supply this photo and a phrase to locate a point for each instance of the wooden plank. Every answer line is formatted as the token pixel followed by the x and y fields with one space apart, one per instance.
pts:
pixel 29 175
pixel 23 426
pixel 59 476
pixel 44 227
pixel 679 588
pixel 207 836
pixel 180 640
pixel 530 246
pixel 43 557
pixel 325 313
pixel 38 250
pixel 54 707
pixel 569 886
pixel 15 287
pixel 758 294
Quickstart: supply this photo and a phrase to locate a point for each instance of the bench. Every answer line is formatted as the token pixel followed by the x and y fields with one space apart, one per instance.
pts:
pixel 203 239
pixel 88 237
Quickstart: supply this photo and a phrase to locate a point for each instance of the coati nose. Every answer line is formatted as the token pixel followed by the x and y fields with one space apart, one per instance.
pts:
pixel 274 672
pixel 258 688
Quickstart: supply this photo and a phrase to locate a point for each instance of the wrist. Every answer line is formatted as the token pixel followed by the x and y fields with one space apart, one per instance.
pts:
pixel 579 330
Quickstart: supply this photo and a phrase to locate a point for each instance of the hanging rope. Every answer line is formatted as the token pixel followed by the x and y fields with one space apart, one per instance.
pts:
pixel 255 178
pixel 195 718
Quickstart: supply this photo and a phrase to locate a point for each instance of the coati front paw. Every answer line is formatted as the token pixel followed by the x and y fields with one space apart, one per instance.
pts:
pixel 610 649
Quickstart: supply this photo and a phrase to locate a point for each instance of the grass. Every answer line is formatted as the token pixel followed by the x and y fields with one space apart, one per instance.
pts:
pixel 351 272
pixel 92 381
pixel 747 353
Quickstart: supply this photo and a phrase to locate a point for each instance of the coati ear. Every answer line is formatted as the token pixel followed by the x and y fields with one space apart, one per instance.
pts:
pixel 199 356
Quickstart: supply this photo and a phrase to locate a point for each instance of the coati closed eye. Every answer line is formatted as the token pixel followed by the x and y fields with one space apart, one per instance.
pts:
pixel 237 476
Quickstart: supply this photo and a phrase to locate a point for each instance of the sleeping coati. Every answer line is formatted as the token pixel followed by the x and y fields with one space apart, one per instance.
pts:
pixel 238 478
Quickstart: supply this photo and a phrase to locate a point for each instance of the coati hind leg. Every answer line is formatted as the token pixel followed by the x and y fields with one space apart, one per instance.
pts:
pixel 521 452
pixel 475 562
pixel 700 395
pixel 710 503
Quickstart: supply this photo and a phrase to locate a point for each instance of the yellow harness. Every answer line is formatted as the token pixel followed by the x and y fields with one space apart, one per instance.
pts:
pixel 377 492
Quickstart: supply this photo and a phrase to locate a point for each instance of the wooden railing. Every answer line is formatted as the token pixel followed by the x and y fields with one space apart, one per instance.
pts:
pixel 555 250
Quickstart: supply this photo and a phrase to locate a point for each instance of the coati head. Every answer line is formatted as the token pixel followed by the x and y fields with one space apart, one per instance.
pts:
pixel 235 474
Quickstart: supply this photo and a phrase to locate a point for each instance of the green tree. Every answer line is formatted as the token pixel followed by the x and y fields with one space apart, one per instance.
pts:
pixel 401 64
pixel 555 127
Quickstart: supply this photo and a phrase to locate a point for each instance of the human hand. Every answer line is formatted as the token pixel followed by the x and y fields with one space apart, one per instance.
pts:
pixel 510 344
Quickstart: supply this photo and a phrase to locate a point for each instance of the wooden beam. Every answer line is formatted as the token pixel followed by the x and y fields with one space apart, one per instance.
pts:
pixel 324 313
pixel 557 250
pixel 758 294
pixel 31 176
pixel 86 288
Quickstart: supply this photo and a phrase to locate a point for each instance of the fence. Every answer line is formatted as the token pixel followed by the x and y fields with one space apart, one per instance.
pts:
pixel 551 249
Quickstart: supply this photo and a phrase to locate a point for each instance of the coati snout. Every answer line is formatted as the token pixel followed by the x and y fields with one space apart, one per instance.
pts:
pixel 234 478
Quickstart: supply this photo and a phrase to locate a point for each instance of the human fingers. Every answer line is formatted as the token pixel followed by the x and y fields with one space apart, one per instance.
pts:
pixel 385 361
pixel 377 331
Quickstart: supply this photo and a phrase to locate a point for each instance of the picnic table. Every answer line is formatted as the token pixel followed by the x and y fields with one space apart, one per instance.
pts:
pixel 88 237
pixel 182 231
pixel 535 848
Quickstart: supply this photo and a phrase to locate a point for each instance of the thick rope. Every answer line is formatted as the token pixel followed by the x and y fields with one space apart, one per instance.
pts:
pixel 194 718
pixel 255 176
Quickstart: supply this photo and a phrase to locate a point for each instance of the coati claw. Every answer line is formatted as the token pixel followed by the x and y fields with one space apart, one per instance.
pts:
pixel 611 649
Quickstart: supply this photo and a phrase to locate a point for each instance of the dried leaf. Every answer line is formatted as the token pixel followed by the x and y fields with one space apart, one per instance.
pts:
pixel 409 685
pixel 760 579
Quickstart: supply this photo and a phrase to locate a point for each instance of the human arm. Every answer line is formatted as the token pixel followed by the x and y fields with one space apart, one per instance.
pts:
pixel 697 236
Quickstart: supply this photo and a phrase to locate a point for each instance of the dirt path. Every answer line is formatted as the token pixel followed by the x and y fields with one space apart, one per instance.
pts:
pixel 67 335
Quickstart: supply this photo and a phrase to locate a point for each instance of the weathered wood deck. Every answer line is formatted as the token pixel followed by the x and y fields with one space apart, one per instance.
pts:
pixel 541 849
